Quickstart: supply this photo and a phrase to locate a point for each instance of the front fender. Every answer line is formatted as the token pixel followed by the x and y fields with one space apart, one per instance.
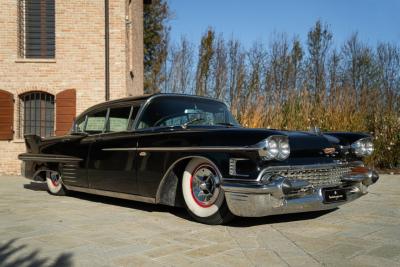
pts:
pixel 168 189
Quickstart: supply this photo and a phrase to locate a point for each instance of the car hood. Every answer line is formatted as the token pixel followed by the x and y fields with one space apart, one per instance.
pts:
pixel 301 143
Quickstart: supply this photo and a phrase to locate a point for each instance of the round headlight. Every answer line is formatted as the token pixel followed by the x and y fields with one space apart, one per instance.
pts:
pixel 363 147
pixel 369 147
pixel 357 148
pixel 274 147
pixel 284 150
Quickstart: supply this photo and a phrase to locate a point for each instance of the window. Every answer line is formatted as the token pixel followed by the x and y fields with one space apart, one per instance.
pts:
pixel 36 114
pixel 118 119
pixel 121 118
pixel 36 28
pixel 95 122
pixel 79 125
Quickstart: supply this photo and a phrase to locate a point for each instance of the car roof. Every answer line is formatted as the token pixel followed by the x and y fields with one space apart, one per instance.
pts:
pixel 141 98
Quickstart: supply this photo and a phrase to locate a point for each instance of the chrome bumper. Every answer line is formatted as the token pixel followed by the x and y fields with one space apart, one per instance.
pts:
pixel 274 197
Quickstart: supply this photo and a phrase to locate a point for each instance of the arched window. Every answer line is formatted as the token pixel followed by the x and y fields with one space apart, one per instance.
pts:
pixel 36 114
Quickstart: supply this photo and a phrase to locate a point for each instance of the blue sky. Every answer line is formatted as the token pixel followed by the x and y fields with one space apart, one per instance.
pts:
pixel 258 20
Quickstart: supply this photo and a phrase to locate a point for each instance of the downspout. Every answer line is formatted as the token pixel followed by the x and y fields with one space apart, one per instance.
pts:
pixel 107 49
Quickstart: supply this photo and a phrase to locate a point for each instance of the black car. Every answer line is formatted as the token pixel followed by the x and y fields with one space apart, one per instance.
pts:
pixel 182 150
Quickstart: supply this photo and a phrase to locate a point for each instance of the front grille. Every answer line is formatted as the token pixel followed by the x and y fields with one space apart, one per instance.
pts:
pixel 318 176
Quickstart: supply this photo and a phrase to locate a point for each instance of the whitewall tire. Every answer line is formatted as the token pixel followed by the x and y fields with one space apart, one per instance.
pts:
pixel 203 196
pixel 54 183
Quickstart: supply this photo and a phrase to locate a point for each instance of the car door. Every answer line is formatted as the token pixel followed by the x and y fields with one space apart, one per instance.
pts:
pixel 91 125
pixel 113 153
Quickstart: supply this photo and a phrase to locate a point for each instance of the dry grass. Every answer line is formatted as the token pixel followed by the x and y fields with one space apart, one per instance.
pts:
pixel 337 112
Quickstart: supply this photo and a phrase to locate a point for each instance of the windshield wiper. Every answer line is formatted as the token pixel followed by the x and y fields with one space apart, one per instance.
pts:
pixel 185 125
pixel 226 123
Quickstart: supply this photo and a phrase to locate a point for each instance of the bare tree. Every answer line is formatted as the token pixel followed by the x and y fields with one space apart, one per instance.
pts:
pixel 180 74
pixel 356 88
pixel 319 41
pixel 206 52
pixel 236 75
pixel 279 68
pixel 219 67
pixel 296 60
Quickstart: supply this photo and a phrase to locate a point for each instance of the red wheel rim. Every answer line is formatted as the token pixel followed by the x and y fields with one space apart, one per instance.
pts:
pixel 55 180
pixel 210 194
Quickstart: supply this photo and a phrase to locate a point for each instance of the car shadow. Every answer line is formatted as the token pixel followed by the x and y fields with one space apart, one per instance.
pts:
pixel 36 186
pixel 275 219
pixel 17 255
pixel 181 212
pixel 148 207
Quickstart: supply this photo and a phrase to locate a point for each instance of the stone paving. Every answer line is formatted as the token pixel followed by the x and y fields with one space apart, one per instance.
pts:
pixel 37 229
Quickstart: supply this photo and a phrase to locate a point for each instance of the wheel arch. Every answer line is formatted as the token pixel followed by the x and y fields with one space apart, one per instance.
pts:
pixel 167 192
pixel 41 169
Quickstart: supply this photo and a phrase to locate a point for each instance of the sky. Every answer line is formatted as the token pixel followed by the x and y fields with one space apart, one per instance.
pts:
pixel 261 20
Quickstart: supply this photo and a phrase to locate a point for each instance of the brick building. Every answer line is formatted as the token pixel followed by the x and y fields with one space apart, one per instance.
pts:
pixel 57 58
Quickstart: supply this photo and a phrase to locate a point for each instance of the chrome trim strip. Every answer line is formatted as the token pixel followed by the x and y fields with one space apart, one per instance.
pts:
pixel 69 180
pixel 111 194
pixel 186 148
pixel 306 167
pixel 198 148
pixel 233 166
pixel 244 179
pixel 120 149
pixel 48 158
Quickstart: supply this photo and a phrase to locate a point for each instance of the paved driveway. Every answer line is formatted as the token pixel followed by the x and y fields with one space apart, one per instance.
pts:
pixel 37 229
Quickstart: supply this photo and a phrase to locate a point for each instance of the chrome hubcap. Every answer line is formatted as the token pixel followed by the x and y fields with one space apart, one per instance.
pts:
pixel 55 178
pixel 204 185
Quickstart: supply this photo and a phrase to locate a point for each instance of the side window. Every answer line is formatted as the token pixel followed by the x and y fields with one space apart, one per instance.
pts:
pixel 95 122
pixel 121 118
pixel 118 119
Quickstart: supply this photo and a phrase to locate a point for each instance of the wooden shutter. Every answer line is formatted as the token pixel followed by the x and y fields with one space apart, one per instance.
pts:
pixel 6 115
pixel 65 111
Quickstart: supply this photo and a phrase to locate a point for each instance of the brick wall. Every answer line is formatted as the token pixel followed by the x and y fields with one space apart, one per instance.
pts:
pixel 79 61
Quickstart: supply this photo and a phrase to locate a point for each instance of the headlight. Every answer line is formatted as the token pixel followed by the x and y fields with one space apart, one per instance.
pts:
pixel 363 147
pixel 274 147
pixel 284 149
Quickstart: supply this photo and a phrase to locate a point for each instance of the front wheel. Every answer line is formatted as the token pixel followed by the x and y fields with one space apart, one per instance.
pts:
pixel 204 198
pixel 54 184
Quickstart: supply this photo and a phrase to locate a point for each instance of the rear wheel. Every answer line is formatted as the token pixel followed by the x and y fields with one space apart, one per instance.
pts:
pixel 54 184
pixel 204 198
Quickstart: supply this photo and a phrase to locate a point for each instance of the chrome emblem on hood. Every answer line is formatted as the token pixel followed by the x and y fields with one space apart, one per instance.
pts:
pixel 329 150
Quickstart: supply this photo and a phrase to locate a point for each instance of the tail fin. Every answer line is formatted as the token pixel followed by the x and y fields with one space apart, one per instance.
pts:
pixel 32 143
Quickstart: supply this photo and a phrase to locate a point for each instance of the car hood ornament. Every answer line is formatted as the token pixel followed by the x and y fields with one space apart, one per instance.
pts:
pixel 329 150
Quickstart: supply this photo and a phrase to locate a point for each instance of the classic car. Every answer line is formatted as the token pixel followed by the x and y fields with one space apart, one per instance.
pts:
pixel 189 151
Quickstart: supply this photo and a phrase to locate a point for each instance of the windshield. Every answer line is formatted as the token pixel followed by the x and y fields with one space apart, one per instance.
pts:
pixel 184 111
